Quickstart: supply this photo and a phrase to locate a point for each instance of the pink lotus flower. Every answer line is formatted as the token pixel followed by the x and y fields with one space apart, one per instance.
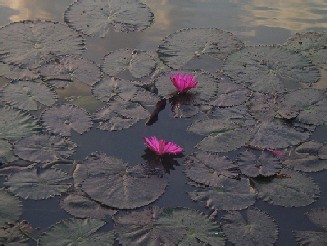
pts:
pixel 275 152
pixel 183 82
pixel 161 147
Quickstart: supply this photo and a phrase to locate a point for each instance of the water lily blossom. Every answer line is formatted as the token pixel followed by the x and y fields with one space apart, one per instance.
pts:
pixel 161 147
pixel 183 82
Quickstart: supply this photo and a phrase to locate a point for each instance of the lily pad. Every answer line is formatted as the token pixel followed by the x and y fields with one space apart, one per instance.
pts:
pixel 17 73
pixel 44 148
pixel 225 141
pixel 97 17
pixel 111 88
pixel 28 95
pixel 62 70
pixel 303 98
pixel 80 206
pixel 305 158
pixel 231 194
pixel 315 115
pixel 15 124
pixel 38 184
pixel 182 105
pixel 10 208
pixel 89 103
pixel 211 126
pixel 253 166
pixel 117 116
pixel 319 217
pixel 310 44
pixel 179 48
pixel 6 153
pixel 64 119
pixel 31 41
pixel 209 169
pixel 323 152
pixel 312 238
pixel 139 63
pixel 270 69
pixel 277 135
pixel 15 234
pixel 292 189
pixel 81 232
pixel 251 227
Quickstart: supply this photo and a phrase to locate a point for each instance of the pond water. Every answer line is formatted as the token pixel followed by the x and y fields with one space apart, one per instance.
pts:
pixel 259 124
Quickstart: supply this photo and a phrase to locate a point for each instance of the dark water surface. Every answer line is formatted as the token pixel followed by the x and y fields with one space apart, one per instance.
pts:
pixel 253 21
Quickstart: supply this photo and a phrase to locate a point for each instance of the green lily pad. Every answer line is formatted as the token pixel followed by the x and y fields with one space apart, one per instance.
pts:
pixel 277 135
pixel 17 73
pixel 89 103
pixel 322 153
pixel 64 119
pixel 231 194
pixel 95 18
pixel 139 63
pixel 253 166
pixel 270 69
pixel 30 41
pixel 306 158
pixel 35 184
pixel 318 216
pixel 28 95
pixel 15 234
pixel 10 208
pixel 80 206
pixel 44 148
pixel 312 238
pixel 303 98
pixel 111 88
pixel 177 49
pixel 15 124
pixel 80 232
pixel 310 44
pixel 292 189
pixel 225 141
pixel 209 169
pixel 6 153
pixel 62 70
pixel 251 227
pixel 211 126
pixel 314 115
pixel 118 116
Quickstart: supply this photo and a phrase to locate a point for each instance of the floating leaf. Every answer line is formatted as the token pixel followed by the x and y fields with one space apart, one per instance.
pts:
pixel 28 95
pixel 80 206
pixel 303 98
pixel 139 63
pixel 315 115
pixel 64 119
pixel 114 88
pixel 89 103
pixel 144 228
pixel 252 166
pixel 6 153
pixel 16 73
pixel 277 135
pixel 36 185
pixel 10 208
pixel 127 189
pixel 117 116
pixel 62 70
pixel 310 44
pixel 15 124
pixel 292 190
pixel 184 45
pixel 225 141
pixel 44 148
pixel 211 126
pixel 231 194
pixel 15 234
pixel 323 152
pixel 81 232
pixel 305 158
pixel 209 169
pixel 319 217
pixel 270 69
pixel 312 238
pixel 95 18
pixel 251 227
pixel 29 42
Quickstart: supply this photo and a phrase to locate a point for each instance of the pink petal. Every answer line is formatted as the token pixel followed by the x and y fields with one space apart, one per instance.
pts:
pixel 275 152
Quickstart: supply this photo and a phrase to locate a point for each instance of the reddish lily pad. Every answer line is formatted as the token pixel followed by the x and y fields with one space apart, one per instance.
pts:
pixel 31 41
pixel 303 98
pixel 64 119
pixel 95 18
pixel 28 95
pixel 251 227
pixel 44 148
pixel 10 208
pixel 62 70
pixel 184 45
